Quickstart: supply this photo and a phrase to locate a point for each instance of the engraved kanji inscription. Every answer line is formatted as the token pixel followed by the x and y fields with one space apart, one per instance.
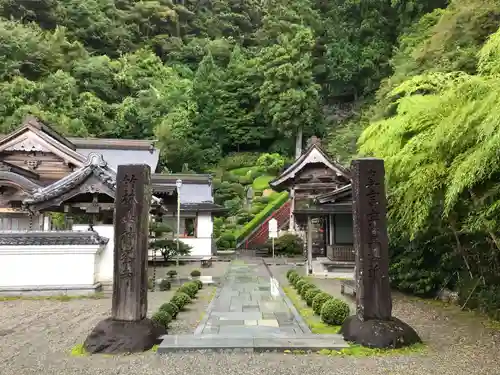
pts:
pixel 131 242
pixel 370 240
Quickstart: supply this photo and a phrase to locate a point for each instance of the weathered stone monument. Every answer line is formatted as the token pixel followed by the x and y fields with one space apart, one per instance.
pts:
pixel 128 330
pixel 373 325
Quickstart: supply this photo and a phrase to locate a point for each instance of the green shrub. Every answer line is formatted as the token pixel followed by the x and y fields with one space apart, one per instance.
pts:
pixel 334 312
pixel 162 318
pixel 262 183
pixel 189 288
pixel 226 241
pixel 256 208
pixel 150 283
pixel 272 163
pixel 299 284
pixel 195 273
pixel 296 281
pixel 291 272
pixel 165 285
pixel 305 288
pixel 287 244
pixel 262 200
pixel 293 278
pixel 180 300
pixel 310 294
pixel 172 273
pixel 171 308
pixel 262 215
pixel 245 180
pixel 238 160
pixel 198 283
pixel 242 171
pixel 318 302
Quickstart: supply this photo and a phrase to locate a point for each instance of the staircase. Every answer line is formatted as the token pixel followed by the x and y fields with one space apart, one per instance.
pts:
pixel 260 235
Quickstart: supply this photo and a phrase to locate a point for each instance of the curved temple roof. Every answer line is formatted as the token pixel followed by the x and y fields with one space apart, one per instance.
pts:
pixel 21 181
pixel 314 154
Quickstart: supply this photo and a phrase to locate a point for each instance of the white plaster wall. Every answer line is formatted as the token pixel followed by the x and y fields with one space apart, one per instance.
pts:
pixel 105 260
pixel 39 266
pixel 202 244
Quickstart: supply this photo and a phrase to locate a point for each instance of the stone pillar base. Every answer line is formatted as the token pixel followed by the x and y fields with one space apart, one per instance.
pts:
pixel 115 336
pixel 392 333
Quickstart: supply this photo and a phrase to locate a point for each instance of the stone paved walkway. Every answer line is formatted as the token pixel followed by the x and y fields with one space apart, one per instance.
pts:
pixel 250 311
pixel 250 303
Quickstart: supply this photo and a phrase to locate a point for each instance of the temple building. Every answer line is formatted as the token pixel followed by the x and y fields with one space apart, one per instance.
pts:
pixel 321 207
pixel 59 192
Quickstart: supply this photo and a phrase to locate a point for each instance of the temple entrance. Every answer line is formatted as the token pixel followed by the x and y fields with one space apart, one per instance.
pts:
pixel 319 239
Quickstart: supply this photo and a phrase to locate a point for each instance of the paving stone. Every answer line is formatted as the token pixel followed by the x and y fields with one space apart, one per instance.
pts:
pixel 210 329
pixel 246 316
pixel 268 322
pixel 268 315
pixel 226 315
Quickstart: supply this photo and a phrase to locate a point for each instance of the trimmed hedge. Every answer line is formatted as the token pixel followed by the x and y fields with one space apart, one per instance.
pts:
pixel 319 301
pixel 305 288
pixel 334 312
pixel 162 318
pixel 180 300
pixel 169 307
pixel 261 216
pixel 310 294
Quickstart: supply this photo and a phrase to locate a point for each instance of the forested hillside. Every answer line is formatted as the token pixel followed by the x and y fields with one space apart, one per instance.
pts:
pixel 419 78
pixel 206 77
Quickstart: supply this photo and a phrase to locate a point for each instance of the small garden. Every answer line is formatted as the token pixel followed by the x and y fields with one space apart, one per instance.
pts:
pixel 241 185
pixel 322 312
pixel 182 297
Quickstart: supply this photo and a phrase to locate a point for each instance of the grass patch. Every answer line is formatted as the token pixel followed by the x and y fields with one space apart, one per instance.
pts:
pixel 318 327
pixel 78 351
pixel 361 351
pixel 60 298
pixel 262 182
pixel 241 171
pixel 313 321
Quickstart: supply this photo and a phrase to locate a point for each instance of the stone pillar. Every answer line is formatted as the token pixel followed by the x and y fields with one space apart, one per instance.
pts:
pixel 291 226
pixel 128 330
pixel 132 206
pixel 373 324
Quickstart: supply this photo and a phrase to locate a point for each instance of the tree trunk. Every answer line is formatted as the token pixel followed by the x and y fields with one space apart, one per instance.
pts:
pixel 298 144
pixel 459 245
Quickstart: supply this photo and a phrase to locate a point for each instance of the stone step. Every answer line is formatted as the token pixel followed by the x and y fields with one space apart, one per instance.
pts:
pixel 277 343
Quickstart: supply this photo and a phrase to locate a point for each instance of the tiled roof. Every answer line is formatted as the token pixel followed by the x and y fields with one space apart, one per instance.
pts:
pixel 51 238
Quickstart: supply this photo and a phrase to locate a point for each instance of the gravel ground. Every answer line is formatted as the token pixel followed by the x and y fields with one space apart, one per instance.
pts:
pixel 41 333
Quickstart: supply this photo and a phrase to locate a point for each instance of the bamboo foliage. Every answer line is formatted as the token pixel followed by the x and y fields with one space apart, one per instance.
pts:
pixel 442 147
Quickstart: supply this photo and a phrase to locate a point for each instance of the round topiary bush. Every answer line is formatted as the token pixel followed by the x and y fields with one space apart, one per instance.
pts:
pixel 198 283
pixel 318 302
pixel 195 273
pixel 169 307
pixel 162 318
pixel 172 273
pixel 305 288
pixel 299 283
pixel 165 285
pixel 291 272
pixel 189 288
pixel 310 294
pixel 180 300
pixel 293 278
pixel 334 312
